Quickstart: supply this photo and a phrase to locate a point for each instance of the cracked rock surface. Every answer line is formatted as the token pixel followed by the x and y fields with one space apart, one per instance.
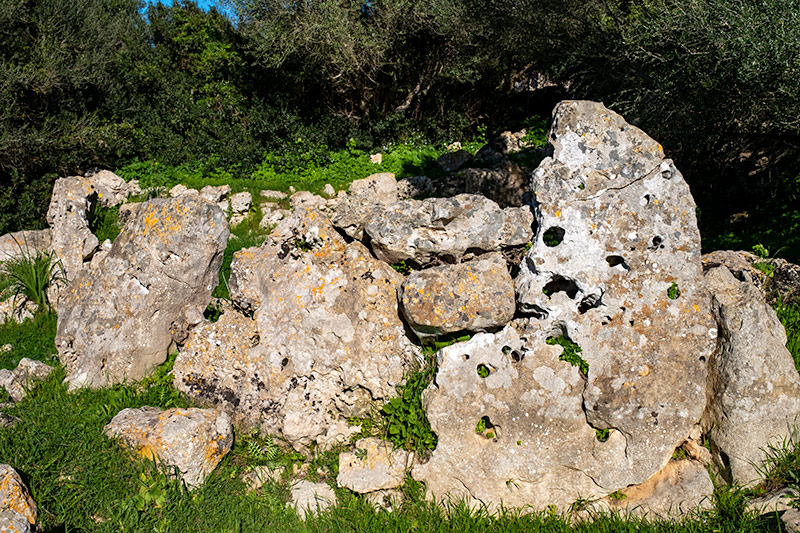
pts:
pixel 116 321
pixel 326 341
pixel 614 268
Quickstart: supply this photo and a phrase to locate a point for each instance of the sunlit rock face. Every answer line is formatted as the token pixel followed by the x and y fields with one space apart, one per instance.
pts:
pixel 615 269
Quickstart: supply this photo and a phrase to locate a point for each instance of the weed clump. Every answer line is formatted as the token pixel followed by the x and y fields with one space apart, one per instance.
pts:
pixel 571 353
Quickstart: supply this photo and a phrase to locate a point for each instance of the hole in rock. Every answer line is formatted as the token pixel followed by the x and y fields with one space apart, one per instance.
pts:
pixel 647 198
pixel 506 350
pixel 617 260
pixel 590 302
pixel 602 434
pixel 702 358
pixel 484 371
pixel 517 356
pixel 284 362
pixel 657 242
pixel 485 428
pixel 465 357
pixel 561 284
pixel 553 236
pixel 605 321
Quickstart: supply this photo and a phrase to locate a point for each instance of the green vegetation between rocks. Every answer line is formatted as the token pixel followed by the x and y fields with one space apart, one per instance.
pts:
pixel 571 352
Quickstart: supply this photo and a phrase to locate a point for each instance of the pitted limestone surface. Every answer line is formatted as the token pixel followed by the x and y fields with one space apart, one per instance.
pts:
pixel 329 341
pixel 614 269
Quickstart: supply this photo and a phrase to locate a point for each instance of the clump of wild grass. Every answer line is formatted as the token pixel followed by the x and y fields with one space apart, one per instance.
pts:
pixel 30 274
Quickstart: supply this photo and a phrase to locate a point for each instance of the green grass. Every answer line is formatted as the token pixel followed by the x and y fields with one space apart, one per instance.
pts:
pixel 34 339
pixel 83 481
pixel 789 315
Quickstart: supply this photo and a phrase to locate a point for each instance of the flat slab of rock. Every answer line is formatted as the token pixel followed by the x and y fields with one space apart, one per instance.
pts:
pixel 367 198
pixel 444 229
pixel 326 344
pixel 116 321
pixel 614 271
pixel 28 372
pixel 373 465
pixel 754 396
pixel 15 501
pixel 311 498
pixel 472 296
pixel 193 440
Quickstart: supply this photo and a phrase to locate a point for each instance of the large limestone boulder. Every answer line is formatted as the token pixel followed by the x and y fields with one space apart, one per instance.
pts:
pixel 474 296
pixel 193 440
pixel 310 498
pixel 615 272
pixel 445 229
pixel 506 183
pixel 327 341
pixel 71 204
pixel 367 199
pixel 753 386
pixel 117 321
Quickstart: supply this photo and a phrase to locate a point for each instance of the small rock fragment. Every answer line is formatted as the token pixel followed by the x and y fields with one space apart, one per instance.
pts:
pixel 373 465
pixel 311 498
pixel 17 382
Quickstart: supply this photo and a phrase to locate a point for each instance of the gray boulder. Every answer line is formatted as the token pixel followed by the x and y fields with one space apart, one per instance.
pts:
pixel 311 498
pixel 754 388
pixel 439 230
pixel 73 242
pixel 373 465
pixel 367 199
pixel 18 381
pixel 327 342
pixel 193 440
pixel 472 296
pixel 116 321
pixel 679 489
pixel 215 194
pixel 452 161
pixel 615 271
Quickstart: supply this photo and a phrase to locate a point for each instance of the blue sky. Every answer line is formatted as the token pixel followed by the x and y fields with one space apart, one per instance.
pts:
pixel 205 4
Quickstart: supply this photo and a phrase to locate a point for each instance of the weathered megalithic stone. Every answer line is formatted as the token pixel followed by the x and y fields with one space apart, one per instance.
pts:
pixel 614 270
pixel 117 320
pixel 327 341
pixel 438 230
pixel 754 388
pixel 474 296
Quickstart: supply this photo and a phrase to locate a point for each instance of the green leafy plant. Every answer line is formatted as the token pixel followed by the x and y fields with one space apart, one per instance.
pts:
pixel 402 268
pixel 571 352
pixel 789 315
pixel 617 495
pixel 602 434
pixel 152 491
pixel 30 274
pixel 104 223
pixel 673 292
pixel 405 420
pixel 483 371
pixel 480 427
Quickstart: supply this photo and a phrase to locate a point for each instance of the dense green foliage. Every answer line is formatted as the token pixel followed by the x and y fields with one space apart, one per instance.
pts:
pixel 280 86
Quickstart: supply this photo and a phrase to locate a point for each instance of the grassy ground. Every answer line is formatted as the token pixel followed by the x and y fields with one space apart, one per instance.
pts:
pixel 83 481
